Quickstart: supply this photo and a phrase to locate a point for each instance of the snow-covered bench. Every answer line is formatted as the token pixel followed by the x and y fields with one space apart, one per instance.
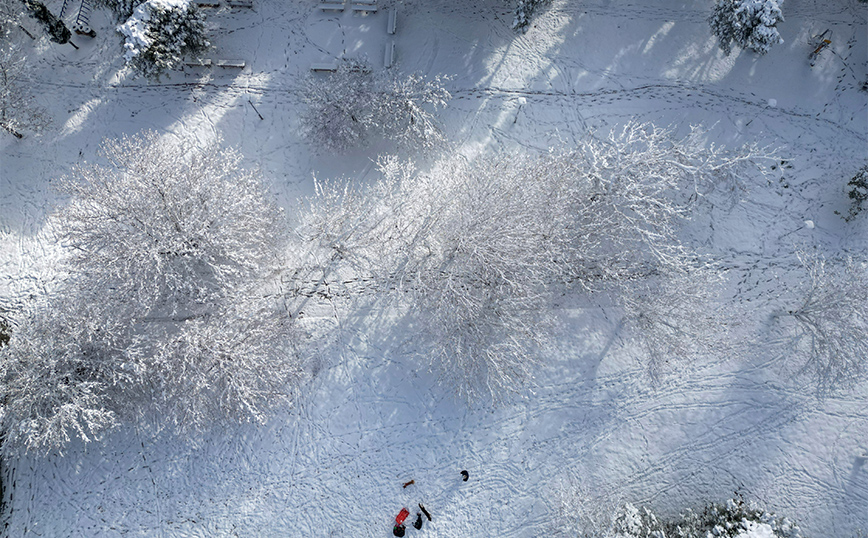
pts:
pixel 320 67
pixel 390 55
pixel 237 64
pixel 241 3
pixel 393 20
pixel 198 62
pixel 369 8
pixel 332 6
pixel 207 4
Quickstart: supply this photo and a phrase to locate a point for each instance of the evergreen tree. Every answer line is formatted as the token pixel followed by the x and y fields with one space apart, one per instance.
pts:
pixel 749 24
pixel 160 33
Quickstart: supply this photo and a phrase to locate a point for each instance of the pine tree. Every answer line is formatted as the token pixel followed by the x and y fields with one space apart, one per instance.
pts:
pixel 159 34
pixel 749 24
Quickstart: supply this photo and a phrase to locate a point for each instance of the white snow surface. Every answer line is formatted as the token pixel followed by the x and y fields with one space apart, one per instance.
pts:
pixel 372 418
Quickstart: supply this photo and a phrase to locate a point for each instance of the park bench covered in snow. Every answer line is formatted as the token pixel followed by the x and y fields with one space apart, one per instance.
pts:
pixel 393 20
pixel 237 64
pixel 198 62
pixel 366 7
pixel 330 66
pixel 390 54
pixel 332 6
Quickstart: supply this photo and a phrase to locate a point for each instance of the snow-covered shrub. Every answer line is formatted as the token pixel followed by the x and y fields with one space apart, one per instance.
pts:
pixel 18 110
pixel 824 331
pixel 524 12
pixel 750 24
pixel 167 309
pixel 348 106
pixel 160 33
pixel 735 518
pixel 475 249
pixel 857 191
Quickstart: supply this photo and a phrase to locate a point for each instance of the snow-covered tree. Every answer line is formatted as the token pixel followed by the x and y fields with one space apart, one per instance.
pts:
pixel 674 315
pixel 11 12
pixel 583 514
pixel 356 102
pixel 168 311
pixel 54 27
pixel 825 329
pixel 857 191
pixel 475 249
pixel 18 108
pixel 750 24
pixel 160 33
pixel 56 377
pixel 524 11
pixel 123 9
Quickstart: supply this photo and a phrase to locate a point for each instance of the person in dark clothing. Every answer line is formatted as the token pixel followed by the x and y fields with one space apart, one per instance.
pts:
pixel 425 511
pixel 465 475
pixel 418 522
pixel 398 530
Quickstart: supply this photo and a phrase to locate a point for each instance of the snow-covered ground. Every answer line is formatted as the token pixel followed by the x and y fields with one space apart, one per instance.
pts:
pixel 373 418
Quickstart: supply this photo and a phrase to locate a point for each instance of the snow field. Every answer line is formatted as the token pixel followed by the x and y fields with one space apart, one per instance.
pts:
pixel 373 418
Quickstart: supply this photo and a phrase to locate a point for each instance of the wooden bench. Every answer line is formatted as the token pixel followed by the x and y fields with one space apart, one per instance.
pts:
pixel 393 20
pixel 236 64
pixel 331 6
pixel 390 55
pixel 368 8
pixel 322 67
pixel 208 4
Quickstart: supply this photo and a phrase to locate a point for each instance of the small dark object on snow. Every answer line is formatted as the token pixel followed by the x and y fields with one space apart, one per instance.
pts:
pixel 410 483
pixel 398 530
pixel 418 522
pixel 466 475
pixel 425 511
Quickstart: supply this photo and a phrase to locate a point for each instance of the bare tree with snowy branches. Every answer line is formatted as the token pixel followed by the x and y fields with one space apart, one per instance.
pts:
pixel 18 109
pixel 356 102
pixel 477 248
pixel 826 327
pixel 11 12
pixel 169 307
